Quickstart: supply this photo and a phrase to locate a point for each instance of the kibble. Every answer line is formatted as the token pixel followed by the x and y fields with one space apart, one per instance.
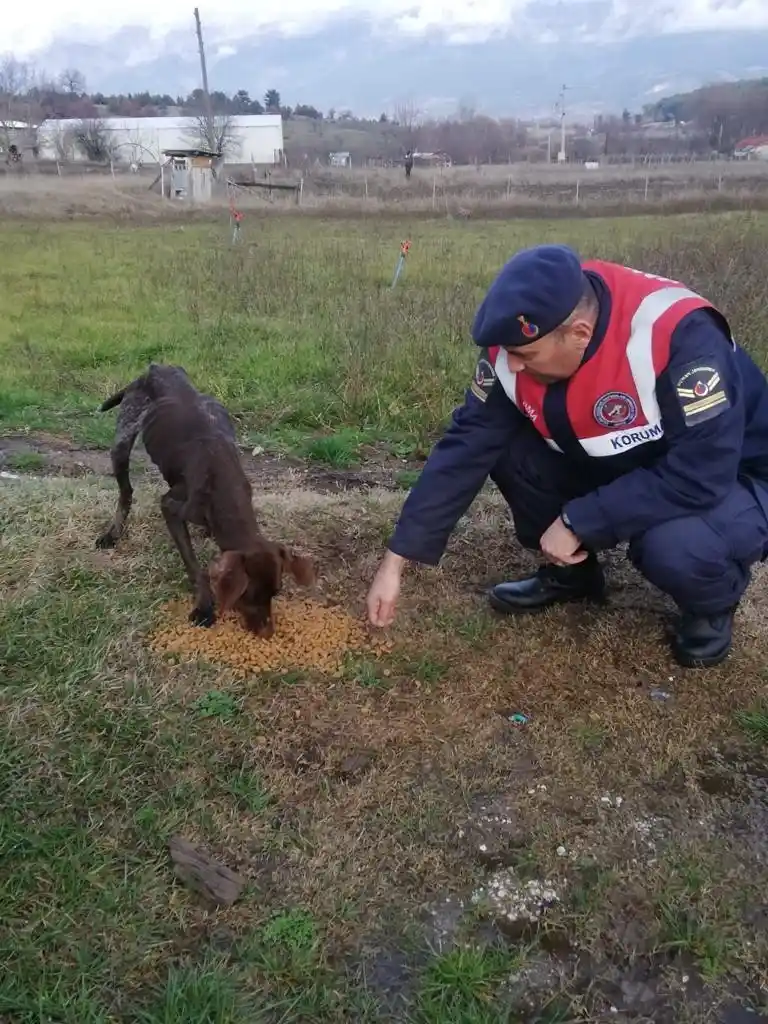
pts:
pixel 308 635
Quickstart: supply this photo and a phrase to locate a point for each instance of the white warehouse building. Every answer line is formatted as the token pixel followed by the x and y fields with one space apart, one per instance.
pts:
pixel 248 138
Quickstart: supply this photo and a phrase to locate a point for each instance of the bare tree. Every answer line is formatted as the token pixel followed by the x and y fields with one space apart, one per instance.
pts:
pixel 61 140
pixel 72 81
pixel 19 110
pixel 17 77
pixel 93 140
pixel 218 138
pixel 408 116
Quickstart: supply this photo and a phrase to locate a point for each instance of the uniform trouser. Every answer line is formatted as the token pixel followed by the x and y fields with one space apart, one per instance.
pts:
pixel 703 562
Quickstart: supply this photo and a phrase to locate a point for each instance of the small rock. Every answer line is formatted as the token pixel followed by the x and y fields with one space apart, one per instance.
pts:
pixel 210 878
pixel 561 851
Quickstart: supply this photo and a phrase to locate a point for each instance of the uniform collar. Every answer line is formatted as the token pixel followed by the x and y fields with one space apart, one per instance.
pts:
pixel 603 316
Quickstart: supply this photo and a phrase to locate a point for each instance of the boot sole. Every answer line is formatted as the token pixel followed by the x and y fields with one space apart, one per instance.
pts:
pixel 689 661
pixel 504 608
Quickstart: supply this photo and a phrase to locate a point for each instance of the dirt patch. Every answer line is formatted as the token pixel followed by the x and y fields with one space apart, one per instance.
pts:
pixel 49 455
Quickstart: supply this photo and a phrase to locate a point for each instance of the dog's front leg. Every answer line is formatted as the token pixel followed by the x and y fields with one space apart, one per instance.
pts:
pixel 173 512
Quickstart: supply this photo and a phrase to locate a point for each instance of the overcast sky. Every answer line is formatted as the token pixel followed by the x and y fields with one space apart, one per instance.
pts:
pixel 226 21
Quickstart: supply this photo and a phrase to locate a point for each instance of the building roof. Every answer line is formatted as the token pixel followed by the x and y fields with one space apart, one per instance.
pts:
pixel 752 141
pixel 158 123
pixel 191 152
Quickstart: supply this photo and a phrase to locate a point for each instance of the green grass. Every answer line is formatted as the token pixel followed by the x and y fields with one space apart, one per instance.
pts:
pixel 298 330
pixel 106 751
pixel 25 462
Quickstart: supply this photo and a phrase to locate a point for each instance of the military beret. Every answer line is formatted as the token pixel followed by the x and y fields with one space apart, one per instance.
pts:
pixel 534 292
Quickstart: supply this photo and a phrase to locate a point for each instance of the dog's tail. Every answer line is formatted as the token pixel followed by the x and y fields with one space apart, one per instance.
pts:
pixel 113 400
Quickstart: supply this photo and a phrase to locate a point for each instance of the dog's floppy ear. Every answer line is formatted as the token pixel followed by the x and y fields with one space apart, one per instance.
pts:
pixel 228 579
pixel 301 567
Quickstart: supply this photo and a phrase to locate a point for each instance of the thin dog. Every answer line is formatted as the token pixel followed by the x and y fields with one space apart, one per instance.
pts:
pixel 190 438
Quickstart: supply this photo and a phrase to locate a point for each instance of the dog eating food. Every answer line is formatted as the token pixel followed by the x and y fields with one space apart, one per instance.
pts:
pixel 190 437
pixel 308 635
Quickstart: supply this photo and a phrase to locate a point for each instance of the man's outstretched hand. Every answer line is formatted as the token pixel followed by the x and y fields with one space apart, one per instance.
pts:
pixel 561 545
pixel 385 590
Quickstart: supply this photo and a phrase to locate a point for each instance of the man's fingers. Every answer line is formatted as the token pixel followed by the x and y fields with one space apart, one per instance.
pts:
pixel 380 612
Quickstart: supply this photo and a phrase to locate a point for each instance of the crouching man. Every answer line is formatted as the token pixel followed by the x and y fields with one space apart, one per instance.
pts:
pixel 607 405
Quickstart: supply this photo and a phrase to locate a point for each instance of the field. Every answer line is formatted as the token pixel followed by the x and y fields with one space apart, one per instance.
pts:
pixel 394 823
pixel 492 191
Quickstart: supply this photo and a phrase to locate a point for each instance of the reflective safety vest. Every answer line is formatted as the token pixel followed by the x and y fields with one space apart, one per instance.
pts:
pixel 611 399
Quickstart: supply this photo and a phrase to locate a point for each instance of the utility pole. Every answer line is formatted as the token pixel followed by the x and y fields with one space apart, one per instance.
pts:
pixel 561 154
pixel 206 94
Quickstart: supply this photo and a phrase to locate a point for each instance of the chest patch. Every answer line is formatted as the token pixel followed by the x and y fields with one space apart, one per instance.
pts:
pixel 615 410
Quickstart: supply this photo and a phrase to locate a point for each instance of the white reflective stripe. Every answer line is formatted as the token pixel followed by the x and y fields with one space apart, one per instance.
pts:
pixel 640 358
pixel 621 440
pixel 509 383
pixel 640 346
pixel 506 376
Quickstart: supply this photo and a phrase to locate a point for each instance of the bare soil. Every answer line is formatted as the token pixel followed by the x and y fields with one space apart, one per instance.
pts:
pixel 43 454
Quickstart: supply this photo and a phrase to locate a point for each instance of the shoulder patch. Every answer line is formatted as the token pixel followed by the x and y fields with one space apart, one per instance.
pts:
pixel 484 378
pixel 700 390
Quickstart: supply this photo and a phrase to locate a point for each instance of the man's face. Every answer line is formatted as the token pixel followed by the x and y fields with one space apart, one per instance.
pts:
pixel 556 356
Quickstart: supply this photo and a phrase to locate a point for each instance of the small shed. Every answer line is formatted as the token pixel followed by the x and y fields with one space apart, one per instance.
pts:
pixel 342 158
pixel 192 174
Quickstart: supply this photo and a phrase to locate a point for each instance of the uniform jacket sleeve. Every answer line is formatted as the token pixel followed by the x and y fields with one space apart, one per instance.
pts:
pixel 704 445
pixel 480 431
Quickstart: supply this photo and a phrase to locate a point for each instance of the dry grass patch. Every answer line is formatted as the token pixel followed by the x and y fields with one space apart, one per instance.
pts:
pixel 352 804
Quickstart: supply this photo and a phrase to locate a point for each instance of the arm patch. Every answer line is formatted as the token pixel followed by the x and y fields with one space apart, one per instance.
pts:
pixel 484 378
pixel 700 391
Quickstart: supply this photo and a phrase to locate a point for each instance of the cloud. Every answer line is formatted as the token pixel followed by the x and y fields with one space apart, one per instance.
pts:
pixel 227 22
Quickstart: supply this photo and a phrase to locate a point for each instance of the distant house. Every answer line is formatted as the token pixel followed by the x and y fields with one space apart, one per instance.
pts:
pixel 15 137
pixel 431 159
pixel 754 147
pixel 340 159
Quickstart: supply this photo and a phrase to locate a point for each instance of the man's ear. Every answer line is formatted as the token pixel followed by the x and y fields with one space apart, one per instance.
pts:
pixel 301 567
pixel 228 579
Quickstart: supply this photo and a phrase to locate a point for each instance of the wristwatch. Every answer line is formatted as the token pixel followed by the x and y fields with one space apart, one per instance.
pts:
pixel 566 521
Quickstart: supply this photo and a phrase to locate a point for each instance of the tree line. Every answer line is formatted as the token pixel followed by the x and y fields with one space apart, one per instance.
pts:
pixel 709 120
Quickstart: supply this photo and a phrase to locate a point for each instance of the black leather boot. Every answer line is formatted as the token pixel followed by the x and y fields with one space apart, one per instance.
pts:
pixel 551 584
pixel 699 641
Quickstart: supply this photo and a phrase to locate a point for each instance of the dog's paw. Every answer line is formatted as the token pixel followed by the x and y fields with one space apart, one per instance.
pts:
pixel 204 616
pixel 106 540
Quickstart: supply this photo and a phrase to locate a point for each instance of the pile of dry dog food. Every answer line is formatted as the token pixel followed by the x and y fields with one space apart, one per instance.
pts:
pixel 308 635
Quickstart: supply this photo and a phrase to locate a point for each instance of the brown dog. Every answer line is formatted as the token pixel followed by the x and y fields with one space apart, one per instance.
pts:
pixel 191 439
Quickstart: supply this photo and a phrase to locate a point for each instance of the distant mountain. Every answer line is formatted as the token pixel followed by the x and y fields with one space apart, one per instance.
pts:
pixel 352 63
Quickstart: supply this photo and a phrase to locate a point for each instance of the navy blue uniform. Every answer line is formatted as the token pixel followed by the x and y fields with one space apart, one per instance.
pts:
pixel 693 506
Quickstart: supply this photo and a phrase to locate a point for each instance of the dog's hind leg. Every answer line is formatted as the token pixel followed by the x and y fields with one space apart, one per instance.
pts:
pixel 128 427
